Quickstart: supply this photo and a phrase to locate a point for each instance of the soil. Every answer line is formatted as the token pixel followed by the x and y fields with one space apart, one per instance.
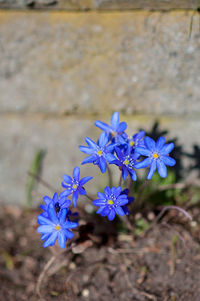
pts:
pixel 161 264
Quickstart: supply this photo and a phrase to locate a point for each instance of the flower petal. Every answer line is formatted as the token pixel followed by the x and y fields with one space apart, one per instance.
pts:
pixel 70 225
pixel 143 163
pixel 110 158
pixel 160 142
pixel 65 193
pixel 62 215
pixel 152 169
pixel 103 139
pixel 75 197
pixel 62 239
pixel 82 190
pixel 167 148
pixel 133 175
pixel 168 160
pixel 105 211
pixel 85 180
pixel 64 202
pixel 47 200
pixel 76 173
pixel 91 143
pixel 119 211
pixel 143 151
pixel 52 214
pixel 122 201
pixel 90 159
pixel 115 121
pixel 110 148
pixel 102 164
pixel 125 209
pixel 45 229
pixel 69 234
pixel 103 126
pixel 122 127
pixel 101 195
pixel 43 220
pixel 45 236
pixel 162 169
pixel 139 135
pixel 119 153
pixel 124 172
pixel 99 203
pixel 101 209
pixel 135 156
pixel 51 240
pixel 111 215
pixel 118 190
pixel 67 179
pixel 107 190
pixel 150 143
pixel 86 150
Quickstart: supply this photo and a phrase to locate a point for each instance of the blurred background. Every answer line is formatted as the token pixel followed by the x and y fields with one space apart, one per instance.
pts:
pixel 64 64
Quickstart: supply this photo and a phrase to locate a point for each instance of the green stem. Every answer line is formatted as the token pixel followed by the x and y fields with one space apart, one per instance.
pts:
pixel 89 197
pixel 110 176
pixel 120 180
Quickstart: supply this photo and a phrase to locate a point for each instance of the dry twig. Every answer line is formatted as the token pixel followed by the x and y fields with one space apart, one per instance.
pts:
pixel 40 180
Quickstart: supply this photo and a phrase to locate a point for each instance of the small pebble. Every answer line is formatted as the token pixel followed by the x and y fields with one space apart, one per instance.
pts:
pixel 193 224
pixel 85 293
pixel 151 216
pixel 72 266
pixel 137 216
pixel 85 278
pixel 89 208
pixel 23 241
pixel 9 235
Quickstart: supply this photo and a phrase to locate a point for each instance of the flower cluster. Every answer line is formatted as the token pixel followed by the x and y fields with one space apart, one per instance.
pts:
pixel 114 147
pixel 110 202
pixel 55 220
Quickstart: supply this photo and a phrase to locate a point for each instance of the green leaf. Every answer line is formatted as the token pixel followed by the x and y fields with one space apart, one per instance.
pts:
pixel 8 260
pixel 34 169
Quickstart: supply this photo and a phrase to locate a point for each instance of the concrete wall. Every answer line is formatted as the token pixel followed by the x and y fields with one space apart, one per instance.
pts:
pixel 100 4
pixel 60 71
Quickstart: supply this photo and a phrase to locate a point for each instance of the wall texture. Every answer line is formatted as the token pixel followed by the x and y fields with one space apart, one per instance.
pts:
pixel 60 71
pixel 100 4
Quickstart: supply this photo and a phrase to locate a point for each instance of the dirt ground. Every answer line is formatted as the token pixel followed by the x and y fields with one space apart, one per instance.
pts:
pixel 161 264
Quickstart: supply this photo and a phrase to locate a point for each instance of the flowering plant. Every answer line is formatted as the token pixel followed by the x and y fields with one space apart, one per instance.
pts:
pixel 114 147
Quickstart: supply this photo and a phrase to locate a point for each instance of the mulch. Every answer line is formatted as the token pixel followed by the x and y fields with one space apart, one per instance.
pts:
pixel 161 264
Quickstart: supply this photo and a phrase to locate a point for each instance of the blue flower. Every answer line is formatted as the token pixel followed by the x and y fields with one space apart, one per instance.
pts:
pixel 115 130
pixel 126 162
pixel 130 201
pixel 55 227
pixel 111 202
pixel 137 140
pixel 98 152
pixel 58 203
pixel 74 186
pixel 72 215
pixel 158 156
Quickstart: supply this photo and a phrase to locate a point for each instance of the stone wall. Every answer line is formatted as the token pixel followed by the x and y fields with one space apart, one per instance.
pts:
pixel 60 71
pixel 100 4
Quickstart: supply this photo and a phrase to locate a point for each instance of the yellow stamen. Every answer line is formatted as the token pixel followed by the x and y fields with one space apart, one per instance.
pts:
pixel 110 202
pixel 74 186
pixel 113 134
pixel 132 143
pixel 57 227
pixel 155 156
pixel 99 153
pixel 126 162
